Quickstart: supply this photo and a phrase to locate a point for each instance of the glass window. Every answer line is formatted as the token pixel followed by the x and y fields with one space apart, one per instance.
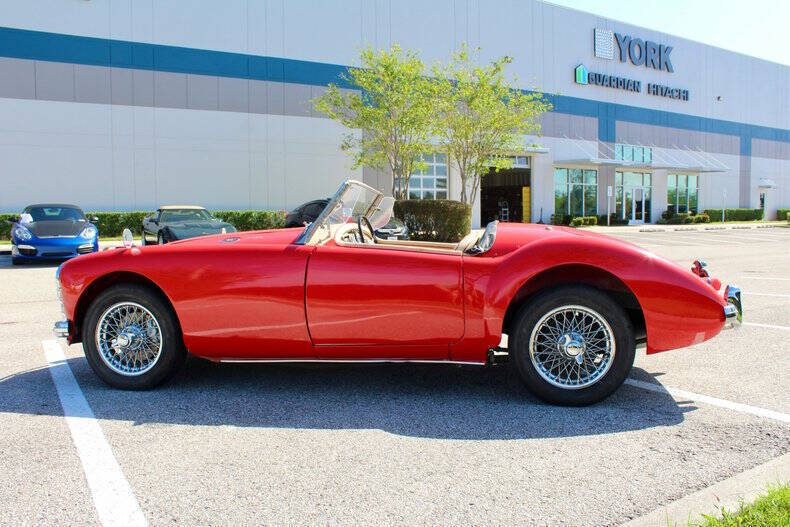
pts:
pixel 628 153
pixel 648 156
pixel 560 191
pixel 682 193
pixel 618 179
pixel 618 152
pixel 638 154
pixel 575 191
pixel 424 183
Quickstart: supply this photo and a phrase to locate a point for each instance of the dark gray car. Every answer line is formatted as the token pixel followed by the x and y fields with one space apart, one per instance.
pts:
pixel 179 222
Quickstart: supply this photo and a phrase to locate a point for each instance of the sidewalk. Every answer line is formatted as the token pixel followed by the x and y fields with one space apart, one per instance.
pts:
pixel 688 227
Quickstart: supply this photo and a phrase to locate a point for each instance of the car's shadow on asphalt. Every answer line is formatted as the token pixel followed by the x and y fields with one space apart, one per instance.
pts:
pixel 434 401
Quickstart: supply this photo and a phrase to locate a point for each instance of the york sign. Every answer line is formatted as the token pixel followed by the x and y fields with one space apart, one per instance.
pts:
pixel 639 52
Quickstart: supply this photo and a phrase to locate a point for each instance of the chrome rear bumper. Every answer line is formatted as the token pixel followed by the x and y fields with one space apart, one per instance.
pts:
pixel 733 311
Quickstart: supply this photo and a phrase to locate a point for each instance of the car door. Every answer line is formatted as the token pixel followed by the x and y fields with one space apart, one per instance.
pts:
pixel 369 302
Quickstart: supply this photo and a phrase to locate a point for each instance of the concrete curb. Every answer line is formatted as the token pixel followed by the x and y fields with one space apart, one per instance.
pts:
pixel 727 494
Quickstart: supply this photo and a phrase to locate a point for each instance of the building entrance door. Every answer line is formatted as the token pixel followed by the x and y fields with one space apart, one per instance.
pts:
pixel 505 196
pixel 637 206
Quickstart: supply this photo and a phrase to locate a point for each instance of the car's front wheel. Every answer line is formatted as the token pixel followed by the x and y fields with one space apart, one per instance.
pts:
pixel 572 345
pixel 131 338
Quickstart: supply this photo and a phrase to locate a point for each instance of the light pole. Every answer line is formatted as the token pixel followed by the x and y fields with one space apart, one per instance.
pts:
pixel 723 203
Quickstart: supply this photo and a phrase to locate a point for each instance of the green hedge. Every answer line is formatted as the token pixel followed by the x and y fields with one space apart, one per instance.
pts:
pixel 113 223
pixel 440 220
pixel 735 214
pixel 781 214
pixel 683 218
pixel 586 221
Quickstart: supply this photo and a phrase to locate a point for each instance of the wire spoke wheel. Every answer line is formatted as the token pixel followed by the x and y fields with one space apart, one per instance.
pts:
pixel 129 339
pixel 572 347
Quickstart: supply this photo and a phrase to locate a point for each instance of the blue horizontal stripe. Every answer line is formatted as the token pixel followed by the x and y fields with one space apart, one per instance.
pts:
pixel 37 45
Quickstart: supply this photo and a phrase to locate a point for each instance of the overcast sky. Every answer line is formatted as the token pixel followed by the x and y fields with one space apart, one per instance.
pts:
pixel 760 28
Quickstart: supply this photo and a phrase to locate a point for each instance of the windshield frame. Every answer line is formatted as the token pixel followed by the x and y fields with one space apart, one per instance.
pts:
pixel 29 210
pixel 308 235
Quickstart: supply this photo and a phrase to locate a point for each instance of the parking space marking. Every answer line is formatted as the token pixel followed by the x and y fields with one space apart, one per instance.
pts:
pixel 113 497
pixel 781 295
pixel 713 401
pixel 769 326
pixel 765 278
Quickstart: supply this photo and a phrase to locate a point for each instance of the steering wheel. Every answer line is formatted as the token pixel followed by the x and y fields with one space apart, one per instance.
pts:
pixel 361 232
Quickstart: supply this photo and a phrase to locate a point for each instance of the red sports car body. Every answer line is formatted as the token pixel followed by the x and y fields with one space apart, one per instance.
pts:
pixel 341 295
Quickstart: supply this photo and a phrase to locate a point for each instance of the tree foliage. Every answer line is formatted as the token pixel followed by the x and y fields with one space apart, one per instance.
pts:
pixel 479 119
pixel 391 113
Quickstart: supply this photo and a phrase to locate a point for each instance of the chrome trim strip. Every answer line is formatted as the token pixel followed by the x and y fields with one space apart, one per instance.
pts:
pixel 61 328
pixel 356 361
pixel 26 247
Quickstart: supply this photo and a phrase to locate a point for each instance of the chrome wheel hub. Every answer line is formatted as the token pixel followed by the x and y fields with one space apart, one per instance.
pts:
pixel 129 339
pixel 572 347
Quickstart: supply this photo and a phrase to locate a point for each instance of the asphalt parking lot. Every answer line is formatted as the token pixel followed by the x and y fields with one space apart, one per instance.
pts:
pixel 403 444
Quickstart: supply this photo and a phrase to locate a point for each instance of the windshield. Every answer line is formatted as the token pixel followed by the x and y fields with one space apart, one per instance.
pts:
pixel 179 215
pixel 55 214
pixel 350 201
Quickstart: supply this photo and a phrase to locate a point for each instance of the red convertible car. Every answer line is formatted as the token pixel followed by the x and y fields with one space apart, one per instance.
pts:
pixel 573 304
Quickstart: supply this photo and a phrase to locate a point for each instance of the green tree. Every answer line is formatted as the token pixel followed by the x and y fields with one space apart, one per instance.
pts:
pixel 479 118
pixel 390 110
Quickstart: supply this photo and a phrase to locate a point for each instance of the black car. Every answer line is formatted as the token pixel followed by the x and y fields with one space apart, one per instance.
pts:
pixel 308 212
pixel 179 222
pixel 305 213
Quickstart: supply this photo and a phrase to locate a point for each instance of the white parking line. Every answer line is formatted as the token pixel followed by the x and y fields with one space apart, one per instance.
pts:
pixel 713 401
pixel 765 278
pixel 115 503
pixel 781 295
pixel 770 326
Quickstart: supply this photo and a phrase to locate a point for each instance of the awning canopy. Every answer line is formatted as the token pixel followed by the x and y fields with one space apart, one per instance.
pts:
pixel 662 159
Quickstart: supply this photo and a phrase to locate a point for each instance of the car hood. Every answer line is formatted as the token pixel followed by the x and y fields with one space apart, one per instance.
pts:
pixel 198 228
pixel 42 229
pixel 267 237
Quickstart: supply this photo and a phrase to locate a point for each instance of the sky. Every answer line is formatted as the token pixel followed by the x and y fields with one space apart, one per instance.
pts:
pixel 760 28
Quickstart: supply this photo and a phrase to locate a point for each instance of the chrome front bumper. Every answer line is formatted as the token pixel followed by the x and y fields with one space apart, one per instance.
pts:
pixel 61 329
pixel 733 311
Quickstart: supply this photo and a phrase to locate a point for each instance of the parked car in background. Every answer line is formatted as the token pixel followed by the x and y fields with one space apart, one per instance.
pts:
pixel 306 213
pixel 573 304
pixel 179 222
pixel 52 231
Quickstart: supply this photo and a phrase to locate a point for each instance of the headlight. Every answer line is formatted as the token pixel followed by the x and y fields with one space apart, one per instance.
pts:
pixel 88 232
pixel 22 233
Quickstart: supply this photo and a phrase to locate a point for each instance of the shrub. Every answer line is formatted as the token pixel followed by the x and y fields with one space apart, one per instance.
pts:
pixel 735 214
pixel 614 219
pixel 440 220
pixel 702 218
pixel 252 220
pixel 781 214
pixel 560 219
pixel 577 221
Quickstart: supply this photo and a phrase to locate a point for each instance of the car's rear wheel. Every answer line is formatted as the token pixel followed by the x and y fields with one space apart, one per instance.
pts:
pixel 131 338
pixel 572 345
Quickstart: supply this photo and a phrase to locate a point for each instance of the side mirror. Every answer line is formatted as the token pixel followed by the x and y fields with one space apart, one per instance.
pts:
pixel 93 219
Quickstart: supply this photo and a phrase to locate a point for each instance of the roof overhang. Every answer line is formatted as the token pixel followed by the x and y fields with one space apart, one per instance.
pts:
pixel 607 162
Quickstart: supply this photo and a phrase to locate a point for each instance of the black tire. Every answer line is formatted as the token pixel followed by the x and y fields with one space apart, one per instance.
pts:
pixel 172 353
pixel 16 261
pixel 593 300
